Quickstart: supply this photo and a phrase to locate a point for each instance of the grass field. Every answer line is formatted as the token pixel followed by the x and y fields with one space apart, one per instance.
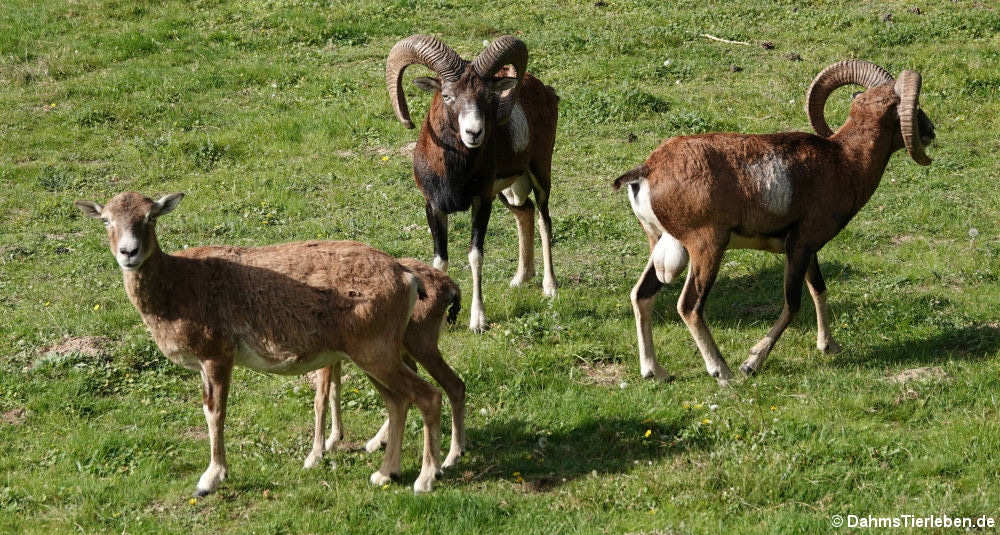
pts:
pixel 273 117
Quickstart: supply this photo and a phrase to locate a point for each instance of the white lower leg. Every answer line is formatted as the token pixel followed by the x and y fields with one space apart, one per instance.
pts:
pixel 440 263
pixel 216 472
pixel 431 463
pixel 336 424
pixel 457 447
pixel 379 439
pixel 714 363
pixel 549 276
pixel 643 311
pixel 824 340
pixel 525 248
pixel 393 445
pixel 477 317
pixel 319 411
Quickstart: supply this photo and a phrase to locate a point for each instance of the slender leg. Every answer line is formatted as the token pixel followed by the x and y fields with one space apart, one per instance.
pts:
pixel 525 240
pixel 403 386
pixel 701 275
pixel 215 377
pixel 643 296
pixel 545 229
pixel 480 220
pixel 427 353
pixel 390 468
pixel 437 221
pixel 796 264
pixel 321 380
pixel 817 289
pixel 378 441
pixel 337 424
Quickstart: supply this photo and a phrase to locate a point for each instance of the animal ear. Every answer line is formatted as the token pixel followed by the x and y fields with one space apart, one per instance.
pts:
pixel 90 208
pixel 428 84
pixel 166 204
pixel 499 85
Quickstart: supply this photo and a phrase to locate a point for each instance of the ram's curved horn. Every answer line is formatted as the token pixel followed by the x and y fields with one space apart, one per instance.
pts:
pixel 852 71
pixel 506 50
pixel 425 50
pixel 908 88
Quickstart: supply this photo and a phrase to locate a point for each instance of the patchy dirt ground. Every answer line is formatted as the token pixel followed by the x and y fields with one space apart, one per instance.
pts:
pixel 919 374
pixel 14 417
pixel 91 346
pixel 607 374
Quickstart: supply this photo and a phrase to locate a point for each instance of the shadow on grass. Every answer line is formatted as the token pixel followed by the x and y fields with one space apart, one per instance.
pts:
pixel 540 460
pixel 975 342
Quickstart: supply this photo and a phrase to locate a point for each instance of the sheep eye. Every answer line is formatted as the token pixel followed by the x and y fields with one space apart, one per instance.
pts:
pixel 106 221
pixel 448 99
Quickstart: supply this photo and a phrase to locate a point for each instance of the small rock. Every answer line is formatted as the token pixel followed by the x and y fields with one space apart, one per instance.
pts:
pixel 735 68
pixel 792 56
pixel 887 17
pixel 767 45
pixel 623 385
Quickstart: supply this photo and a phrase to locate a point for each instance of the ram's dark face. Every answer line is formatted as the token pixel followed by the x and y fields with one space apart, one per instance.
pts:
pixel 926 127
pixel 470 103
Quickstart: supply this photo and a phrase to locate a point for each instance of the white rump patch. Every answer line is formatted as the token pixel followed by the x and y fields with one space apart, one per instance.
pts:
pixel 774 186
pixel 518 129
pixel 642 206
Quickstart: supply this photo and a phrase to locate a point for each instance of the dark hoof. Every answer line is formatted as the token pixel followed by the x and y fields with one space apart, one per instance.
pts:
pixel 396 478
pixel 747 370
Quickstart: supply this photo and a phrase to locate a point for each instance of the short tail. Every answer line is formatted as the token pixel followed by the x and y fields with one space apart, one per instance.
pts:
pixel 421 290
pixel 456 305
pixel 635 175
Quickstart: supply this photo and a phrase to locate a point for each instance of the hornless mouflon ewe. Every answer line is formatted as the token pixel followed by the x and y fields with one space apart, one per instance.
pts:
pixel 484 135
pixel 286 309
pixel 421 344
pixel 786 193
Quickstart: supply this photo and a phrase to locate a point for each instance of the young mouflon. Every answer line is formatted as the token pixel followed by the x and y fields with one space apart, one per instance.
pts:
pixel 287 309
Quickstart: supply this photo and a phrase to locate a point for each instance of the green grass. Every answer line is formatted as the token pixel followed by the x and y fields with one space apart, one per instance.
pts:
pixel 273 117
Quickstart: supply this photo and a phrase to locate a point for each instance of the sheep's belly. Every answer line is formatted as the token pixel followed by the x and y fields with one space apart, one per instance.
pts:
pixel 285 364
pixel 761 243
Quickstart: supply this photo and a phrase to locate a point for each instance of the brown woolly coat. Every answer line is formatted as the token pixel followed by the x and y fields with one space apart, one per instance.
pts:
pixel 283 303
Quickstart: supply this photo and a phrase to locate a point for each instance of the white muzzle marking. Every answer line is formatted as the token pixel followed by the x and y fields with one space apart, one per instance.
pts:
pixel 471 127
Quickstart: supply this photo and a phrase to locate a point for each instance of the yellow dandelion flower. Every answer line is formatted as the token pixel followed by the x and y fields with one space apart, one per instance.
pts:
pixel 686 405
pixel 773 408
pixel 516 474
pixel 97 307
pixel 193 501
pixel 699 406
pixel 706 421
pixel 385 158
pixel 648 433
pixel 47 303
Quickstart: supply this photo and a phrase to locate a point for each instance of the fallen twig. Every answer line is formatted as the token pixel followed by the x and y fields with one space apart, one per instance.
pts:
pixel 721 40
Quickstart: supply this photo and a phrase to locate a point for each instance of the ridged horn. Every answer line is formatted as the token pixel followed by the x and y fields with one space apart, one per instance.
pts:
pixel 852 71
pixel 426 50
pixel 908 88
pixel 505 50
